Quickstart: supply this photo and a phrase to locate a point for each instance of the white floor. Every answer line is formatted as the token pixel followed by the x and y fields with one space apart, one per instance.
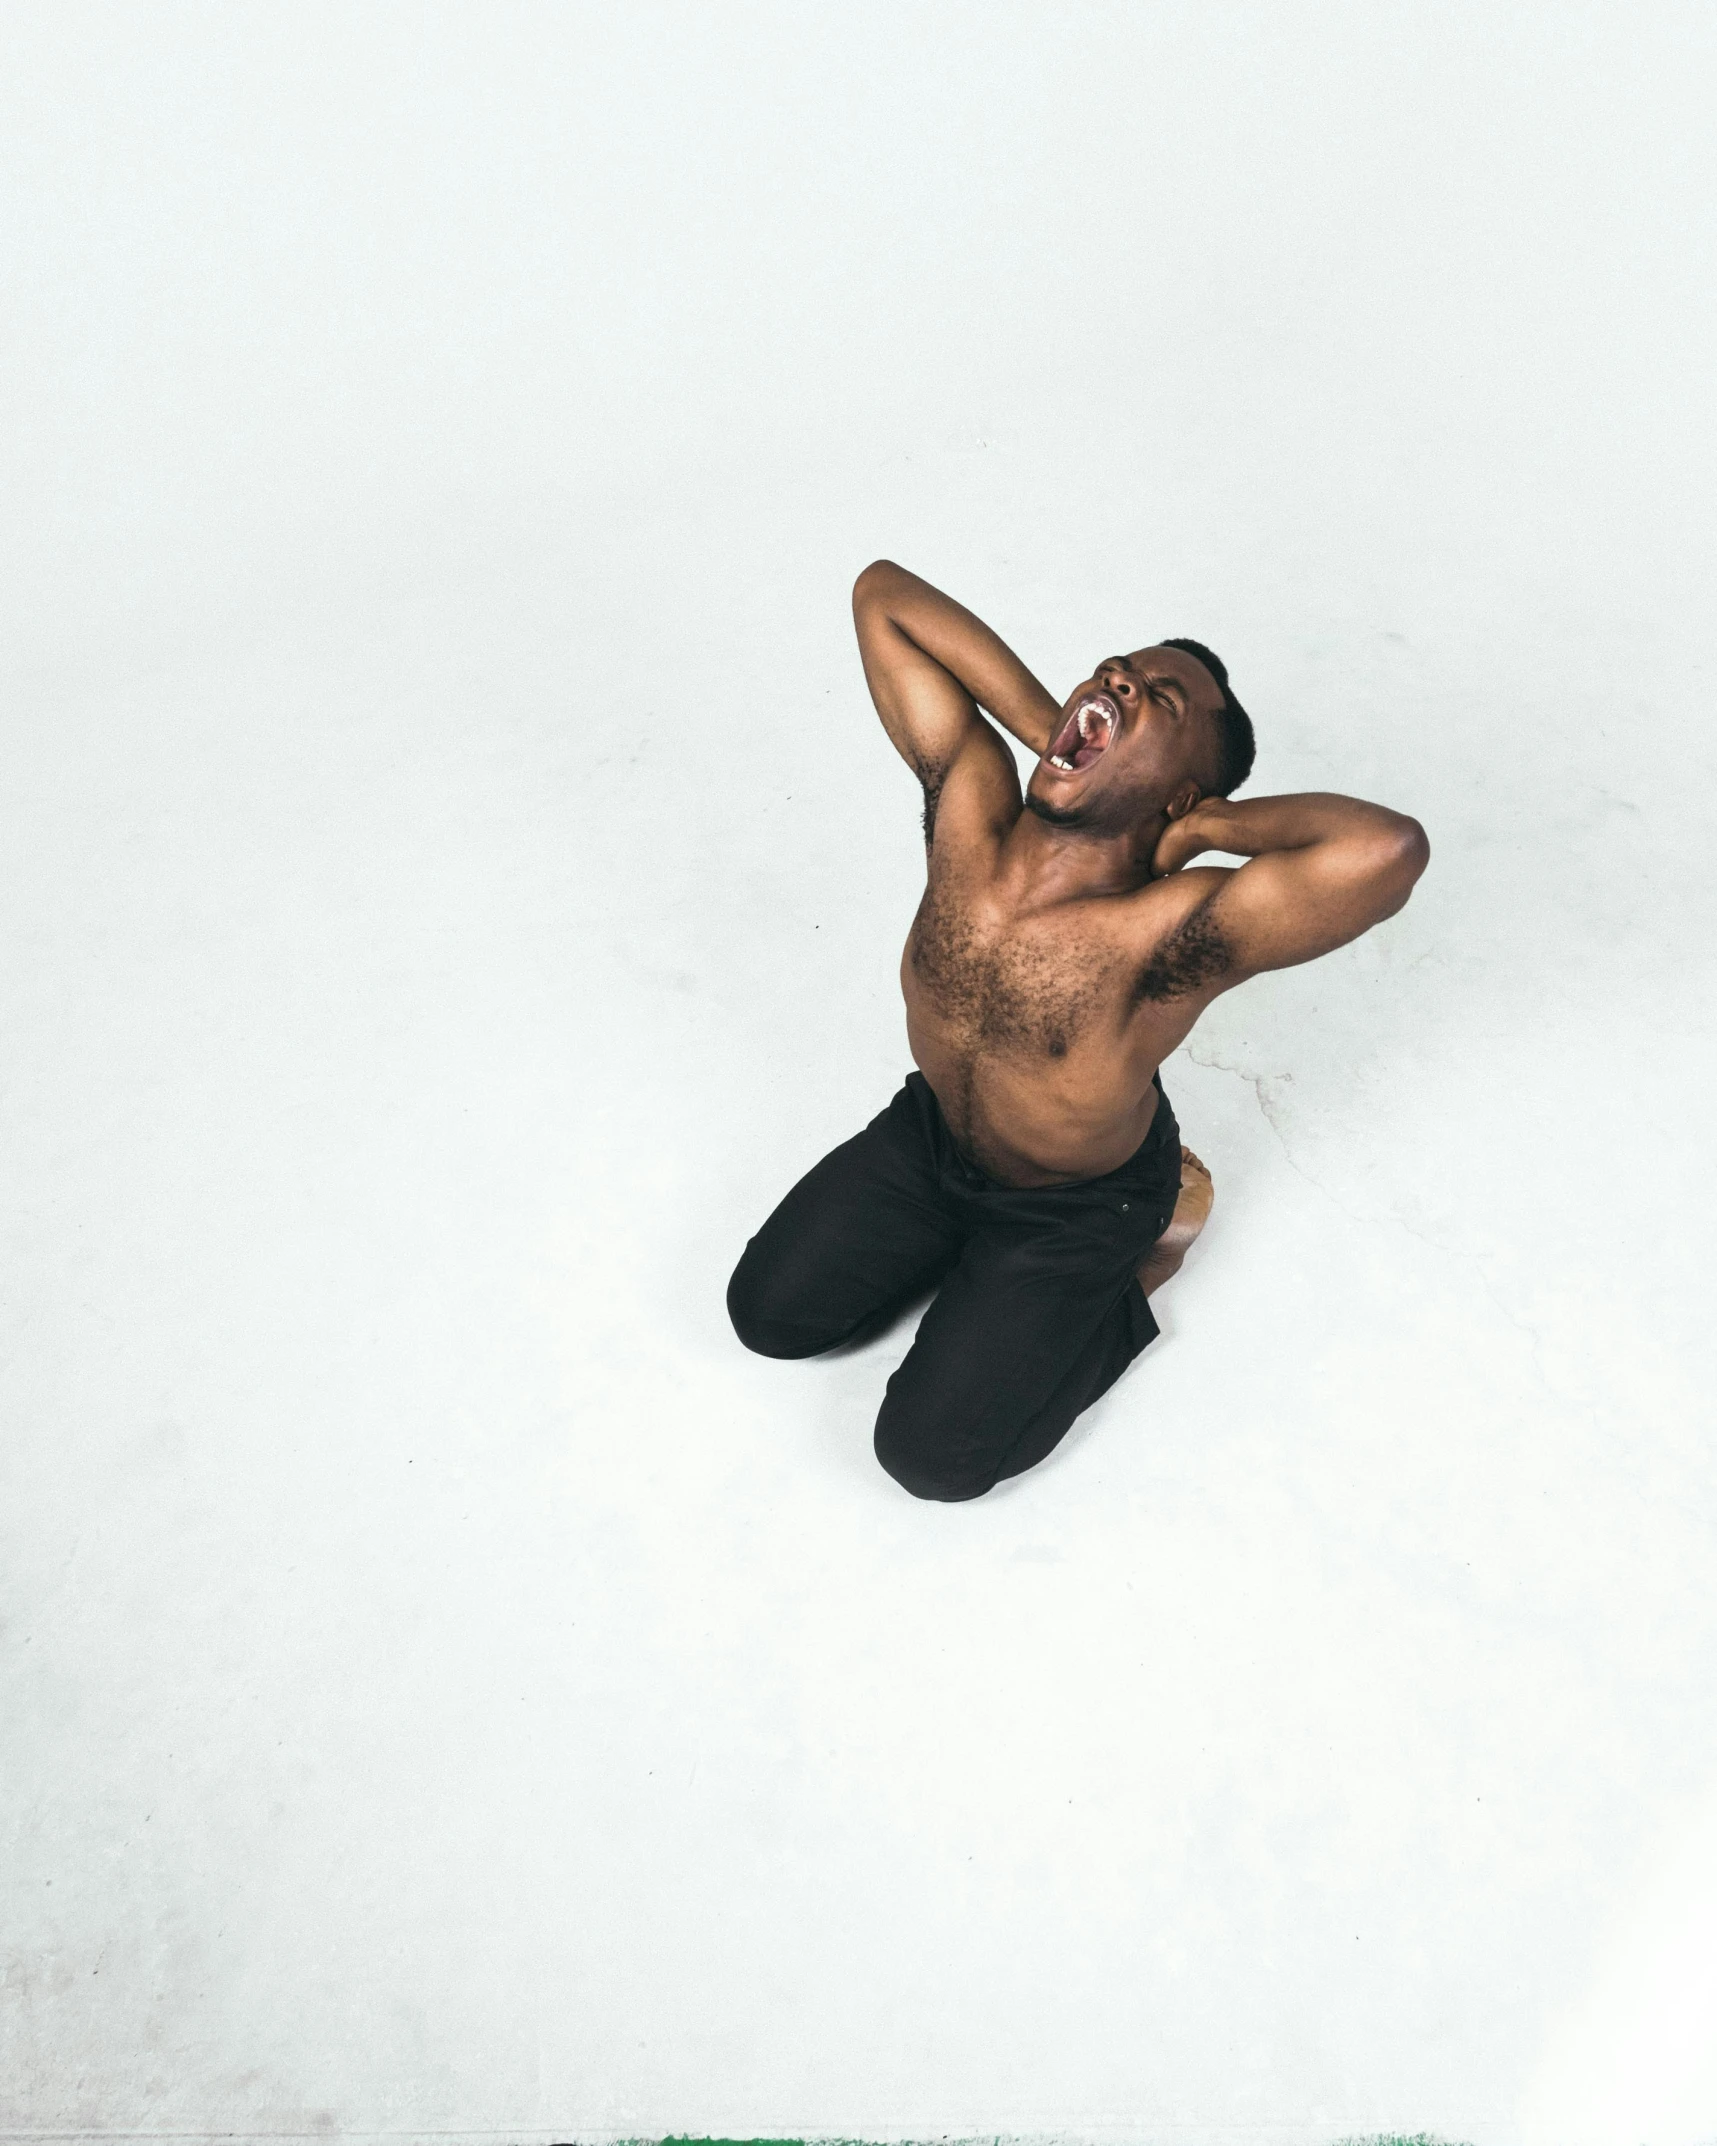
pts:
pixel 452 883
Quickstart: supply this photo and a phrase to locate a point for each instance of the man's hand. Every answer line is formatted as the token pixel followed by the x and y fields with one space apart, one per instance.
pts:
pixel 1180 842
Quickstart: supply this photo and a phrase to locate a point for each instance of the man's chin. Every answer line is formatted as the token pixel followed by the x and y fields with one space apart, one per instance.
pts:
pixel 1056 815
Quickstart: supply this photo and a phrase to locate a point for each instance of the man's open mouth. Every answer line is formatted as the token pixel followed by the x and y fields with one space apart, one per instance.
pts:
pixel 1085 736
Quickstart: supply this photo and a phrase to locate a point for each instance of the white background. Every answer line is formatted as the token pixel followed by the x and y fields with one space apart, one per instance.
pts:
pixel 451 884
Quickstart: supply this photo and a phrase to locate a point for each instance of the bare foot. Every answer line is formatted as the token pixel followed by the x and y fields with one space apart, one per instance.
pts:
pixel 1191 1212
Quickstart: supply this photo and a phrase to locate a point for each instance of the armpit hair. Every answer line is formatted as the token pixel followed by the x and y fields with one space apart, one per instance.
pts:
pixel 1192 954
pixel 931 778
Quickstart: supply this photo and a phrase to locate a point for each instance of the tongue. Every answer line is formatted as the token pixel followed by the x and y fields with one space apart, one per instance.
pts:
pixel 1070 746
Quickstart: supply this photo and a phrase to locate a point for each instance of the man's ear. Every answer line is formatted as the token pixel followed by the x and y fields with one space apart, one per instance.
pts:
pixel 1183 800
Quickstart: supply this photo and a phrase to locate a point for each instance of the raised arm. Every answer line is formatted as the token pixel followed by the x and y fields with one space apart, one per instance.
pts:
pixel 931 665
pixel 1323 869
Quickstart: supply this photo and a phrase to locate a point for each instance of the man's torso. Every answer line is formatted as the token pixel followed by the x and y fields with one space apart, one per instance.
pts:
pixel 1040 1030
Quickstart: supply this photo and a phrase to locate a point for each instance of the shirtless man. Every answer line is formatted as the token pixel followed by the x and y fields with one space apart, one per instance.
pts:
pixel 1031 1170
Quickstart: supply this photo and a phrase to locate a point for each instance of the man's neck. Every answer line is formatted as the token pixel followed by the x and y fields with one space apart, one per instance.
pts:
pixel 1056 862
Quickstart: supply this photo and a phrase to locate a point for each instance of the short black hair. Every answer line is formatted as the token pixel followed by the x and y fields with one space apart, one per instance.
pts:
pixel 1236 746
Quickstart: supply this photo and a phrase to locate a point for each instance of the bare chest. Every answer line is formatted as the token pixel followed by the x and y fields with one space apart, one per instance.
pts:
pixel 1003 985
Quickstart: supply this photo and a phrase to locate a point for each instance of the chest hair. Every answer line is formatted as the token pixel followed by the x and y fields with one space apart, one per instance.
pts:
pixel 1009 989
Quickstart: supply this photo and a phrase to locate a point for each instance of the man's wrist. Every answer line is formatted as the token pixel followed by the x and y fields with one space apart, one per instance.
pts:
pixel 1206 821
pixel 1222 825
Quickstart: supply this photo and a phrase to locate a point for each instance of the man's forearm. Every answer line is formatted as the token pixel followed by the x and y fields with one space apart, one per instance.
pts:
pixel 965 647
pixel 1255 826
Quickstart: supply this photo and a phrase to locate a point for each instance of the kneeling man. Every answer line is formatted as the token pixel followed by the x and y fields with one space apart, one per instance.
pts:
pixel 1031 1170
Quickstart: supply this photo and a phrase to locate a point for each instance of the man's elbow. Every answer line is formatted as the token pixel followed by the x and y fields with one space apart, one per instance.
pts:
pixel 873 581
pixel 1397 863
pixel 1415 849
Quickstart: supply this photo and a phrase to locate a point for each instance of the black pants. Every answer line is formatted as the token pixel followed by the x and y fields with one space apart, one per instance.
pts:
pixel 1038 1311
